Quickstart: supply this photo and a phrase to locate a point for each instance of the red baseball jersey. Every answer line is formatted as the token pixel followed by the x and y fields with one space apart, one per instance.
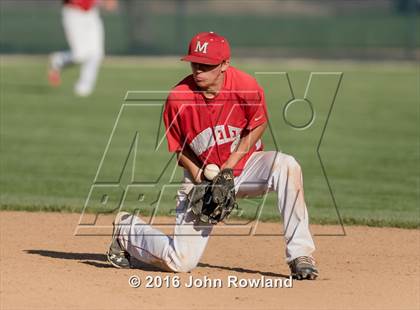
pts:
pixel 84 5
pixel 213 128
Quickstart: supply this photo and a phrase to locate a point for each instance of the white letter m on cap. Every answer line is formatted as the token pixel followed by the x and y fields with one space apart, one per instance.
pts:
pixel 201 48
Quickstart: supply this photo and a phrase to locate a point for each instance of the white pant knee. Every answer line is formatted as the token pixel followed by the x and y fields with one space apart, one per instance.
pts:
pixel 286 166
pixel 286 161
pixel 186 264
pixel 292 164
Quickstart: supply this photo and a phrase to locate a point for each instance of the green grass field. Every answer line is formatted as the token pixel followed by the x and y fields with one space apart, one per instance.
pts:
pixel 52 143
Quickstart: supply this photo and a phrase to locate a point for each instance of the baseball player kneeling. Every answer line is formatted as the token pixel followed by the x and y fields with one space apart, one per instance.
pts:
pixel 215 118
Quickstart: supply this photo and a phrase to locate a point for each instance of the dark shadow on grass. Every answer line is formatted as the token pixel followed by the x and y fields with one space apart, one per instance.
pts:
pixel 244 270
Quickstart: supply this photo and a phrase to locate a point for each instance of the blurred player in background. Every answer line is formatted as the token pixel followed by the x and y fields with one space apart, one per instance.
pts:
pixel 84 32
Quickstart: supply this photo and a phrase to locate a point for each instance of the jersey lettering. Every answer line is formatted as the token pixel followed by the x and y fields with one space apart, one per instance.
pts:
pixel 205 139
pixel 202 142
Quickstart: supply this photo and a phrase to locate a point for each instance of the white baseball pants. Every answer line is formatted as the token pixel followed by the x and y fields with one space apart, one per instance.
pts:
pixel 85 34
pixel 264 171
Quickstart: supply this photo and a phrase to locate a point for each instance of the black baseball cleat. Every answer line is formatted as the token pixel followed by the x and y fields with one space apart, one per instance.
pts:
pixel 116 254
pixel 303 267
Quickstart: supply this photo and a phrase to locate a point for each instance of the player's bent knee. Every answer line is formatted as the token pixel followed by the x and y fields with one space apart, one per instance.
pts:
pixel 292 163
pixel 289 162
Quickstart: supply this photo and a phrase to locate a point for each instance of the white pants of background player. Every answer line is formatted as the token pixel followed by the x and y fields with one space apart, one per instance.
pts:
pixel 85 35
pixel 264 171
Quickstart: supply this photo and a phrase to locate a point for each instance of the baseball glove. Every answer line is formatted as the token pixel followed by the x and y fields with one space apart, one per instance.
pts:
pixel 213 201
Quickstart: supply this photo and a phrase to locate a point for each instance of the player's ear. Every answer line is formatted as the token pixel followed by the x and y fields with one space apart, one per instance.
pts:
pixel 225 65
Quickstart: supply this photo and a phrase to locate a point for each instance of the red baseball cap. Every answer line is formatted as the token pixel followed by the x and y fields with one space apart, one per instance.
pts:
pixel 208 48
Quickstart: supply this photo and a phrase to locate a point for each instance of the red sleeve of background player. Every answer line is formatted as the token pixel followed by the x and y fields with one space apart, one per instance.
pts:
pixel 171 120
pixel 256 110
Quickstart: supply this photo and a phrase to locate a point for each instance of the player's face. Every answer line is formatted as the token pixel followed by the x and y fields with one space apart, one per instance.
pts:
pixel 206 76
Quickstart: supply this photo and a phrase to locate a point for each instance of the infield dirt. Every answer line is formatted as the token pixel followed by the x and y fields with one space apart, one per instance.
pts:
pixel 44 266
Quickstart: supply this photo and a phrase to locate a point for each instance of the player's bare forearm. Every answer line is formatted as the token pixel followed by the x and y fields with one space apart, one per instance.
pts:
pixel 189 161
pixel 245 144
